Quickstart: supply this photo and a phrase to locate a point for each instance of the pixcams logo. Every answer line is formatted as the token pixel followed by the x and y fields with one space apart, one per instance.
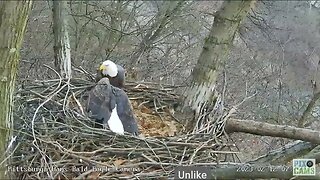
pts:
pixel 304 167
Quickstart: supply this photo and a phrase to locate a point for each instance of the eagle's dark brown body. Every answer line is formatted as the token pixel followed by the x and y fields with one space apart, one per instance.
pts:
pixel 102 100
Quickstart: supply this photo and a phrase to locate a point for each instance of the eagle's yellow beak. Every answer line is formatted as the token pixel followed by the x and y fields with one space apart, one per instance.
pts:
pixel 102 67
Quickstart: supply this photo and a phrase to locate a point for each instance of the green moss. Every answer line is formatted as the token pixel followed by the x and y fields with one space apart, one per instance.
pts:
pixel 9 59
pixel 216 48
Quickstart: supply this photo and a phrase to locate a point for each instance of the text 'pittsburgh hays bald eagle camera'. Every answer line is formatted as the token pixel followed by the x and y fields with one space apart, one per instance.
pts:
pixel 108 104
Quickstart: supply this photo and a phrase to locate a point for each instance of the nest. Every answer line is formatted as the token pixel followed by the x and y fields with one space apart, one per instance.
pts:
pixel 54 139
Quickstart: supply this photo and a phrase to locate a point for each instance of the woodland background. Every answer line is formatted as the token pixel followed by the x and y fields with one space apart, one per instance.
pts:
pixel 274 55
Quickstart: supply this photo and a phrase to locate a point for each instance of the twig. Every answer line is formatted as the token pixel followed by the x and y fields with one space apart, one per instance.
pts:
pixel 65 137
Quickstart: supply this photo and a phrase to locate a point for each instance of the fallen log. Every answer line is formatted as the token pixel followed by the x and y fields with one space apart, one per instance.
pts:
pixel 267 129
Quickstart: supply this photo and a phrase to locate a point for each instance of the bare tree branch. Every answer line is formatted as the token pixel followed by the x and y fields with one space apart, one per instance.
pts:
pixel 271 165
pixel 309 109
pixel 155 30
pixel 255 171
pixel 286 153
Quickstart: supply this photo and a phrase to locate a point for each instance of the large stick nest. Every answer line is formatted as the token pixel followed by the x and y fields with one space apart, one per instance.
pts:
pixel 54 139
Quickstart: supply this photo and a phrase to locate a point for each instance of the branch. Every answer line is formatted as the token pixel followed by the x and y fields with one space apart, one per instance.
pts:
pixel 270 165
pixel 308 110
pixel 285 154
pixel 162 19
pixel 314 154
pixel 255 171
pixel 267 129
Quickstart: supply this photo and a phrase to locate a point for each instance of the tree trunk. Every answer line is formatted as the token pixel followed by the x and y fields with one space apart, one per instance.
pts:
pixel 61 48
pixel 13 20
pixel 215 53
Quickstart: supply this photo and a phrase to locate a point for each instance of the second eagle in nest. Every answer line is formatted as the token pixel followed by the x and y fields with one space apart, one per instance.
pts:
pixel 110 106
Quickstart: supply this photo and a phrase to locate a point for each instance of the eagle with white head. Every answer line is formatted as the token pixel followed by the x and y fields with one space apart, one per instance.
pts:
pixel 114 72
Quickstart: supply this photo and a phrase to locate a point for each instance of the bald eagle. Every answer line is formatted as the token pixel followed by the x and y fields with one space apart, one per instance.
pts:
pixel 111 107
pixel 114 72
